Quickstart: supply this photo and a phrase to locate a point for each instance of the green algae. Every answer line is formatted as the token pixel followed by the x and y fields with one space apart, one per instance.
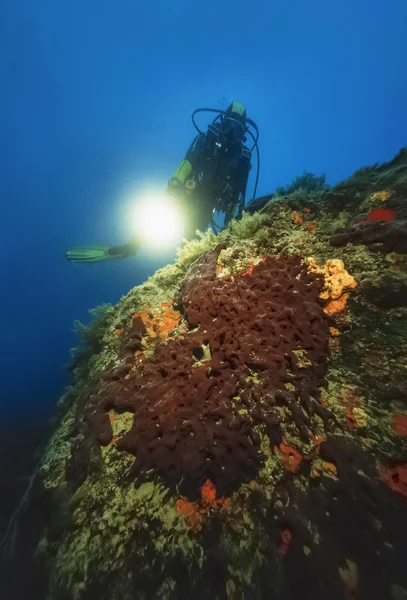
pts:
pixel 374 200
pixel 110 525
pixel 244 554
pixel 110 518
pixel 99 344
pixel 302 361
pixel 379 176
pixel 110 522
pixel 272 469
pixel 57 453
pixel 121 422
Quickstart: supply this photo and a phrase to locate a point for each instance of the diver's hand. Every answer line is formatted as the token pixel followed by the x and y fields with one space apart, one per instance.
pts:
pixel 175 186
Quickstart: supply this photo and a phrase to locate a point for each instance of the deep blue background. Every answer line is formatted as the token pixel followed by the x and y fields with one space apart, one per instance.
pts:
pixel 95 105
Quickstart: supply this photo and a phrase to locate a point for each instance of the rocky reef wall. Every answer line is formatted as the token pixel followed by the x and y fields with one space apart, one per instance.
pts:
pixel 237 424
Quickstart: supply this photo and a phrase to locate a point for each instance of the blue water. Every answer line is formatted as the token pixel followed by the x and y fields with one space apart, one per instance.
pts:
pixel 95 104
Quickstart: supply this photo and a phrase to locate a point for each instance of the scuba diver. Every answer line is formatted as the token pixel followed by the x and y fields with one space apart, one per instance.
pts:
pixel 211 178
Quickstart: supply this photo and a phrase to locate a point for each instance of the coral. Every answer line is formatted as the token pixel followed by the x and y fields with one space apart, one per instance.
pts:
pixel 159 322
pixel 291 458
pixel 191 513
pixel 297 218
pixel 378 213
pixel 336 306
pixel 150 296
pixel 251 428
pixel 194 513
pixel 209 499
pixel 336 280
pixel 196 422
pixel 395 478
pixel 381 195
pixel 381 214
pixel 372 202
pixel 249 270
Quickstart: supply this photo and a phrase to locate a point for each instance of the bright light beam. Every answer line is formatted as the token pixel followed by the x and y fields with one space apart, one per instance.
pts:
pixel 158 221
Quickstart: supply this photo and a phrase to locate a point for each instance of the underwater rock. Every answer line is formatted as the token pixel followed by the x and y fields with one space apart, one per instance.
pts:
pixel 85 456
pixel 251 445
pixel 258 203
pixel 396 479
pixel 384 236
pixel 387 292
pixel 364 516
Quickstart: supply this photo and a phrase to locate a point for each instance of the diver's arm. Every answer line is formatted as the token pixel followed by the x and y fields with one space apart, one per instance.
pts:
pixel 187 165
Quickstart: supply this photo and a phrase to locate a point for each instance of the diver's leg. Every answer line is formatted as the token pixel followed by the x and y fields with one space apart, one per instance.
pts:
pixel 91 254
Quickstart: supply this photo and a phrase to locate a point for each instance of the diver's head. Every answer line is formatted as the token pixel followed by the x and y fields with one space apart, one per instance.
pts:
pixel 234 122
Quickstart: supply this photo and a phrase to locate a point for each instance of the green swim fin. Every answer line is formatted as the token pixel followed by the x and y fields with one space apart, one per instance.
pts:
pixel 86 254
